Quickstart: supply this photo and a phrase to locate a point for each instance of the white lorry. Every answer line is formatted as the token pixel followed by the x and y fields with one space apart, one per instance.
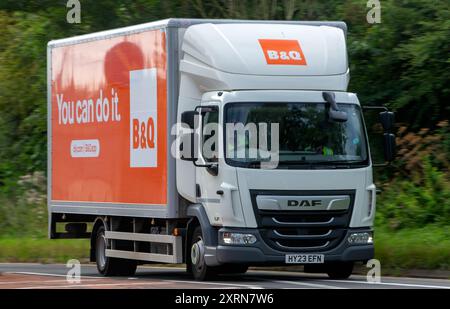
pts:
pixel 216 143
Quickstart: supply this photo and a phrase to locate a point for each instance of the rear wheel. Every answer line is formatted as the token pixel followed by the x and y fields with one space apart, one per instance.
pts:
pixel 198 267
pixel 108 266
pixel 341 270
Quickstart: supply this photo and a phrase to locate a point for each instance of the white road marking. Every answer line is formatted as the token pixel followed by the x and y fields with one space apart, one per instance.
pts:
pixel 391 283
pixel 162 267
pixel 177 281
pixel 406 278
pixel 302 283
pixel 247 286
pixel 48 274
pixel 318 277
pixel 31 282
pixel 223 288
pixel 90 285
pixel 15 264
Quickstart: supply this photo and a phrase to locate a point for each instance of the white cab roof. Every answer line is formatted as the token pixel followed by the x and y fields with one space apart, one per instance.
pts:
pixel 237 49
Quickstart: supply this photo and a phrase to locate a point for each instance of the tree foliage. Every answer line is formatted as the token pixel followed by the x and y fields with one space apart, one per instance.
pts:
pixel 402 62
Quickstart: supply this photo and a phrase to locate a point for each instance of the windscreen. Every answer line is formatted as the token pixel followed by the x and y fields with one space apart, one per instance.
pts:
pixel 306 135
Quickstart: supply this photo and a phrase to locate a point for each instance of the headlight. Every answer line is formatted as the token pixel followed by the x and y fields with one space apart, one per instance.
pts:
pixel 360 238
pixel 230 238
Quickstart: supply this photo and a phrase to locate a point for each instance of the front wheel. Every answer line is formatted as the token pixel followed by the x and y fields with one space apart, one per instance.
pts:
pixel 108 266
pixel 198 267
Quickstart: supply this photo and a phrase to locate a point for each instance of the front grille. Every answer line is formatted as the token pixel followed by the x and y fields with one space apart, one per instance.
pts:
pixel 299 230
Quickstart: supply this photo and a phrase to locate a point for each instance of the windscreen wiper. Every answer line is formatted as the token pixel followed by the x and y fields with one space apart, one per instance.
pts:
pixel 299 162
pixel 316 164
pixel 339 162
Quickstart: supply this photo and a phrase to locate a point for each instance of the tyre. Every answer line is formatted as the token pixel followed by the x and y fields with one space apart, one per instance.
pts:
pixel 342 270
pixel 108 266
pixel 197 266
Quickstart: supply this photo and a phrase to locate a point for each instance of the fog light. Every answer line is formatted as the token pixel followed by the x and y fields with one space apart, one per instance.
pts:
pixel 360 238
pixel 238 238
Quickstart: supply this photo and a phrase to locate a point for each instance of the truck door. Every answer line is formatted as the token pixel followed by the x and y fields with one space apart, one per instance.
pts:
pixel 217 187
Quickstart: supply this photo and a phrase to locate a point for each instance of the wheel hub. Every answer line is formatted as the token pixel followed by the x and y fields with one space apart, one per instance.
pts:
pixel 101 250
pixel 197 252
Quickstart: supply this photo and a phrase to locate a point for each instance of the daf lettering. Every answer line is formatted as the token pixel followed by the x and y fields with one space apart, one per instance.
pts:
pixel 304 203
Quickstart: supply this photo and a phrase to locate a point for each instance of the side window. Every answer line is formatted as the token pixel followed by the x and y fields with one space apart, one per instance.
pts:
pixel 210 138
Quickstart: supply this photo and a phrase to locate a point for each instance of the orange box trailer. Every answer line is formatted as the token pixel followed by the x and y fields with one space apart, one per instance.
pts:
pixel 111 100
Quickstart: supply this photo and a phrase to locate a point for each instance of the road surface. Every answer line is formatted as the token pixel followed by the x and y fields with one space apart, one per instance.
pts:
pixel 48 276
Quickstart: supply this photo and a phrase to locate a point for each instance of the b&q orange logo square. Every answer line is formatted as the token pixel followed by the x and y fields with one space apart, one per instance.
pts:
pixel 282 52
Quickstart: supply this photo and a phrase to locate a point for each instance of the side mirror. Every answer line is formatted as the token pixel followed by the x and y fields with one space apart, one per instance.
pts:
pixel 389 147
pixel 187 147
pixel 387 120
pixel 188 118
pixel 338 116
pixel 334 113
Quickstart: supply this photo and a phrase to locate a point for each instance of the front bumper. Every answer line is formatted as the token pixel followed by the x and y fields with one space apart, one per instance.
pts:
pixel 261 254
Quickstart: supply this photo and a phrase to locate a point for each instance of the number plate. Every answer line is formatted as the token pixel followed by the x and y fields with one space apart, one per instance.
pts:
pixel 305 258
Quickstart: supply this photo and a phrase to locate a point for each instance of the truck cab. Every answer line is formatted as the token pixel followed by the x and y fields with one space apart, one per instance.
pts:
pixel 278 149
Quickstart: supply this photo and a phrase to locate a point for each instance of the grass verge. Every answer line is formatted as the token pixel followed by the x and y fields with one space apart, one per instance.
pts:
pixel 41 250
pixel 423 248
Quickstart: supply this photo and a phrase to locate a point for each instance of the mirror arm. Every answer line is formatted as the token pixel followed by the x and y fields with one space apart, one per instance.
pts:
pixel 201 165
pixel 213 169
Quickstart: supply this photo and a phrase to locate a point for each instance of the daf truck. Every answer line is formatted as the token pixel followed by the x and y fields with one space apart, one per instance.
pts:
pixel 221 144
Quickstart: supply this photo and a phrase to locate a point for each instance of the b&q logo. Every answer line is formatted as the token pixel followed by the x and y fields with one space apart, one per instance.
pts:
pixel 282 52
pixel 143 134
